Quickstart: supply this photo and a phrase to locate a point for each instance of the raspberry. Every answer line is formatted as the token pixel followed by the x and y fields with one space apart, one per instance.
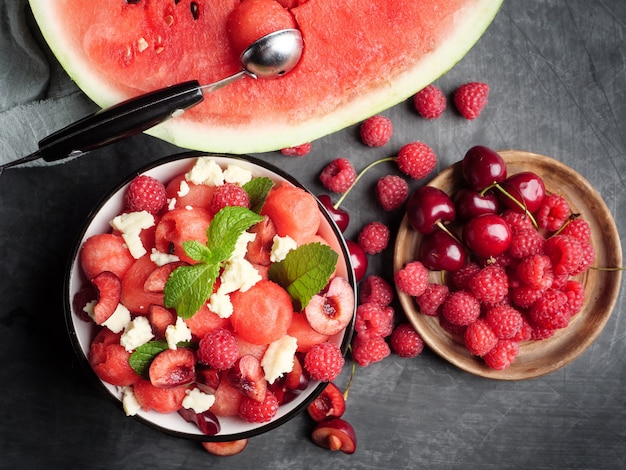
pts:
pixel 575 292
pixel 338 175
pixel 490 285
pixel 430 102
pixel 146 194
pixel 535 271
pixel 461 308
pixel 502 355
pixel 366 352
pixel 526 242
pixel 586 260
pixel 391 192
pixel 412 279
pixel 550 311
pixel 479 338
pixel 517 221
pixel 525 296
pixel 376 290
pixel 218 349
pixel 565 252
pixel 539 333
pixel 373 321
pixel 376 131
pixel 471 98
pixel 461 278
pixel 577 228
pixel 374 237
pixel 297 151
pixel 504 320
pixel 416 159
pixel 552 213
pixel 229 194
pixel 324 362
pixel 524 333
pixel 405 341
pixel 454 330
pixel 432 299
pixel 255 412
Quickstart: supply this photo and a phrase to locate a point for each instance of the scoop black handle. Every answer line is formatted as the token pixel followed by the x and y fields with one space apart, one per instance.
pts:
pixel 120 121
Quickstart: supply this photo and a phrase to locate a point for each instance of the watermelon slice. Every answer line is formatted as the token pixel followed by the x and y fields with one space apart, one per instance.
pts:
pixel 360 57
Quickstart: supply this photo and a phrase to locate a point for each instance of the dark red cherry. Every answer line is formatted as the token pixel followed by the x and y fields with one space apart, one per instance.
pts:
pixel 341 217
pixel 427 207
pixel 527 188
pixel 487 235
pixel 470 203
pixel 440 252
pixel 358 257
pixel 482 166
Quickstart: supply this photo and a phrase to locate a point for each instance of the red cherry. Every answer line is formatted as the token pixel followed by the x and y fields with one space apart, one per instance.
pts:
pixel 527 188
pixel 439 251
pixel 428 207
pixel 358 257
pixel 341 217
pixel 487 235
pixel 482 166
pixel 335 434
pixel 470 203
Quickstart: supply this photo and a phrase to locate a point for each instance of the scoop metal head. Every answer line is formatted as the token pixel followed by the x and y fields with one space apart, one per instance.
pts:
pixel 273 55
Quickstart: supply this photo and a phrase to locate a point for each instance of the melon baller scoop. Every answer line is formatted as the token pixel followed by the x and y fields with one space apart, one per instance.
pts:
pixel 269 57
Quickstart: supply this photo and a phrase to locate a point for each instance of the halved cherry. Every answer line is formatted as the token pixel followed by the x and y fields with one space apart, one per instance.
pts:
pixel 248 377
pixel 157 279
pixel 206 421
pixel 328 404
pixel 226 448
pixel 330 312
pixel 173 368
pixel 335 434
pixel 109 289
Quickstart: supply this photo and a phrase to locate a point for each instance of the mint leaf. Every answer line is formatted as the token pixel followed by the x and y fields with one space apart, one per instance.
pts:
pixel 188 287
pixel 258 189
pixel 196 250
pixel 305 271
pixel 142 357
pixel 226 227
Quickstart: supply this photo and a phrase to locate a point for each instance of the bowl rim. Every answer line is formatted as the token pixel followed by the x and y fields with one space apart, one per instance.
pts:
pixel 70 271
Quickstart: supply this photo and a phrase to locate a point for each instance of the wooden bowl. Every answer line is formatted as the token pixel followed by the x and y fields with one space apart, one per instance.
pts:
pixel 536 358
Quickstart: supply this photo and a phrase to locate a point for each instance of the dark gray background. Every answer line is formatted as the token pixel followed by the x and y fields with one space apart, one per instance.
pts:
pixel 557 73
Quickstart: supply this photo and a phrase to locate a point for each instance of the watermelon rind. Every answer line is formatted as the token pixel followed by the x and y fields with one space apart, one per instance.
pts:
pixel 470 23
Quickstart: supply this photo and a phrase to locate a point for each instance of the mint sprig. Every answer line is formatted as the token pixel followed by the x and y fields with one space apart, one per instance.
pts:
pixel 188 287
pixel 305 271
pixel 258 189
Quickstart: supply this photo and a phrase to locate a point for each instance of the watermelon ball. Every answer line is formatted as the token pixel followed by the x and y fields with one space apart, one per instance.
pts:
pixel 253 19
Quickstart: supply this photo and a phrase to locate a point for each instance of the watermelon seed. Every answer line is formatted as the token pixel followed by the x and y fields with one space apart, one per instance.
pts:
pixel 195 11
pixel 132 2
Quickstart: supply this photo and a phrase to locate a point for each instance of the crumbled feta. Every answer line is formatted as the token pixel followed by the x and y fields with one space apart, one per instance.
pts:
pixel 241 247
pixel 129 401
pixel 130 225
pixel 278 358
pixel 183 189
pixel 171 204
pixel 221 305
pixel 197 400
pixel 189 208
pixel 174 334
pixel 136 333
pixel 161 259
pixel 205 171
pixel 238 274
pixel 237 175
pixel 118 320
pixel 88 309
pixel 281 246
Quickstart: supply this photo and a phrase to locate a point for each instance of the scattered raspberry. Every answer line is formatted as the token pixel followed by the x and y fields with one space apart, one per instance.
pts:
pixel 553 212
pixel 535 271
pixel 297 151
pixel 579 229
pixel 376 131
pixel 461 308
pixel 373 321
pixel 565 252
pixel 490 285
pixel 430 102
pixel 338 175
pixel 324 362
pixel 405 341
pixel 416 159
pixel 575 292
pixel 502 355
pixel 366 352
pixel 479 338
pixel 550 311
pixel 526 242
pixel 374 237
pixel 377 290
pixel 229 194
pixel 255 412
pixel 146 193
pixel 391 192
pixel 412 279
pixel 517 221
pixel 461 278
pixel 471 98
pixel 432 299
pixel 586 260
pixel 218 349
pixel 504 320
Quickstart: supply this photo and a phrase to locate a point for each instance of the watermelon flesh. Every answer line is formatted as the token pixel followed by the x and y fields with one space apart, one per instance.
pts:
pixel 360 57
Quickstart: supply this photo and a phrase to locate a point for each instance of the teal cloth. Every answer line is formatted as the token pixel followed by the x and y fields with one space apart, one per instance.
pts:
pixel 37 97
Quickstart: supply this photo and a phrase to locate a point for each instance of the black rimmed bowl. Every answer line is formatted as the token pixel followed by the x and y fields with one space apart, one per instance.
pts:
pixel 82 332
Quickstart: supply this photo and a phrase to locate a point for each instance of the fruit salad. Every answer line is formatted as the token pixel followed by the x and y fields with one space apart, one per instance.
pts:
pixel 212 296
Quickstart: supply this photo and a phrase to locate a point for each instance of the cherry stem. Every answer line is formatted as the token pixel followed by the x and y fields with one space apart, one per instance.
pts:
pixel 445 229
pixel 515 201
pixel 352 371
pixel 363 171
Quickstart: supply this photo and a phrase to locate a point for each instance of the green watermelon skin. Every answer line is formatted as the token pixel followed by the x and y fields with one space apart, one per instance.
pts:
pixel 360 58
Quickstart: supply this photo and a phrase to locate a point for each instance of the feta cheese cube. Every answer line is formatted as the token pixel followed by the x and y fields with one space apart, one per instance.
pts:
pixel 197 400
pixel 237 175
pixel 161 259
pixel 205 171
pixel 136 333
pixel 278 358
pixel 238 274
pixel 183 189
pixel 174 334
pixel 129 401
pixel 118 320
pixel 221 305
pixel 130 225
pixel 281 246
